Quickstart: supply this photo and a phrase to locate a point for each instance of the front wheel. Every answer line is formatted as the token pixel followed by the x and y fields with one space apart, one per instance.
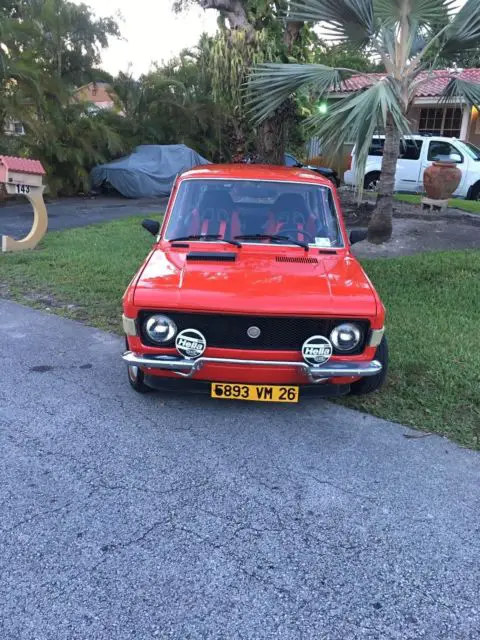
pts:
pixel 372 383
pixel 136 379
pixel 475 192
pixel 371 181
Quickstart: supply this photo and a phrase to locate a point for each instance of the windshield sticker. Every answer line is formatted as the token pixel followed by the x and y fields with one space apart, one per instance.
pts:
pixel 323 242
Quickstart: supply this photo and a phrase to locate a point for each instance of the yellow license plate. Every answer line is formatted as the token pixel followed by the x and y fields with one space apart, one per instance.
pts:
pixel 259 392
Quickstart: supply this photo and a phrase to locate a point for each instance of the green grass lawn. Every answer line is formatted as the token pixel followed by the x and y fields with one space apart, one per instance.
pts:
pixel 432 300
pixel 471 206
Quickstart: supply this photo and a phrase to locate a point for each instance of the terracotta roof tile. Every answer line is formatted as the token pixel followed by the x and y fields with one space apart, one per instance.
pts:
pixel 434 87
pixel 22 165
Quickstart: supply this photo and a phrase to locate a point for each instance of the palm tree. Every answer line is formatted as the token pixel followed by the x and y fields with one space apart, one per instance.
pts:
pixel 402 36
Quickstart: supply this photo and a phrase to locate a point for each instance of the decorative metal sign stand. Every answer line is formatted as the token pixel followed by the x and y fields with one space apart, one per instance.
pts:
pixel 23 176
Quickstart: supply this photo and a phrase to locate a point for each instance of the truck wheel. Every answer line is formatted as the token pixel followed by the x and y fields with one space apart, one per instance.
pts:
pixel 475 192
pixel 372 383
pixel 371 180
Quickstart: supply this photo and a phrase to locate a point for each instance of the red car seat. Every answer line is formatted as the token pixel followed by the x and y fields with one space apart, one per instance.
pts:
pixel 216 215
pixel 290 212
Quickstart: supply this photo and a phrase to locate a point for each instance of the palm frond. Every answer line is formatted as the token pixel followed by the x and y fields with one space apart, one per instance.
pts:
pixel 456 88
pixel 351 20
pixel 269 85
pixel 463 32
pixel 356 119
pixel 420 12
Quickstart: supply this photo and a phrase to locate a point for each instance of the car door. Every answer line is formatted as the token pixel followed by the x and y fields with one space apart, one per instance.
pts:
pixel 446 151
pixel 409 165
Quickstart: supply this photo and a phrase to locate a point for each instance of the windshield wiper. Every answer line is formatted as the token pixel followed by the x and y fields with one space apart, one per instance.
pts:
pixel 206 236
pixel 274 238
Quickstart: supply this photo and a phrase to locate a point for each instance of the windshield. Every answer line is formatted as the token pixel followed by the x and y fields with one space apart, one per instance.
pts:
pixel 472 150
pixel 249 209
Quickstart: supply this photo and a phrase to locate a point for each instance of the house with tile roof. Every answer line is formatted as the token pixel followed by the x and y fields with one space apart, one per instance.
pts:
pixel 99 94
pixel 452 119
pixel 96 93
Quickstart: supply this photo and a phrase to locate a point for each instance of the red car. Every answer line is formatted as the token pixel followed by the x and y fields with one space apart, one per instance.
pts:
pixel 252 291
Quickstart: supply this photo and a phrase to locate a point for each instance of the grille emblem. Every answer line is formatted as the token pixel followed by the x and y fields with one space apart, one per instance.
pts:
pixel 253 332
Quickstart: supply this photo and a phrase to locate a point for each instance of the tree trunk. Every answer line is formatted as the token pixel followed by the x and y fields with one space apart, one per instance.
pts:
pixel 234 11
pixel 271 138
pixel 380 227
pixel 272 132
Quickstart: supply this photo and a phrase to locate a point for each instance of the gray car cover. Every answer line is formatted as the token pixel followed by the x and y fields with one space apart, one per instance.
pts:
pixel 149 170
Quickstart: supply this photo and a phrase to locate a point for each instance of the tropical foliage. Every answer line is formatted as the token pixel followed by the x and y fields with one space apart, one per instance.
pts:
pixel 405 37
pixel 253 32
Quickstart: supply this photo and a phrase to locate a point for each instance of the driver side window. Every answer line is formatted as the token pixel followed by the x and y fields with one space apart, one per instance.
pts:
pixel 443 151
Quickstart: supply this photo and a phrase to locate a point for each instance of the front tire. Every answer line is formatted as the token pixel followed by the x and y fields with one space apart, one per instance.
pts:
pixel 371 180
pixel 475 192
pixel 373 383
pixel 136 379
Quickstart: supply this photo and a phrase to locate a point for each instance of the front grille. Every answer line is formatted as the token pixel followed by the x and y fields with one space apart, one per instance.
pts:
pixel 277 333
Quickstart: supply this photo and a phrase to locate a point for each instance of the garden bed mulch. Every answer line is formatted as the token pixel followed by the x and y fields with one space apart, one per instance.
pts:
pixel 415 230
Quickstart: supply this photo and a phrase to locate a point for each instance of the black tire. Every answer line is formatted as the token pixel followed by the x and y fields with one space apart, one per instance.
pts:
pixel 136 379
pixel 370 182
pixel 475 192
pixel 373 383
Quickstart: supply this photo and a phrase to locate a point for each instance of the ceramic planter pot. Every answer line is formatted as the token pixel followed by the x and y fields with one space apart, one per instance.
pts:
pixel 441 179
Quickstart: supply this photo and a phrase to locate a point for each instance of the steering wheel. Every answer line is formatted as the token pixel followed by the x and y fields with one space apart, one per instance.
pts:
pixel 293 230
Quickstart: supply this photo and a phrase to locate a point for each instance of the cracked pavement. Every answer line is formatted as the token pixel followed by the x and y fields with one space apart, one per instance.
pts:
pixel 177 516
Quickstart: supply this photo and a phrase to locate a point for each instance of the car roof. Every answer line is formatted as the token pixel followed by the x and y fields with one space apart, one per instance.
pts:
pixel 255 172
pixel 416 136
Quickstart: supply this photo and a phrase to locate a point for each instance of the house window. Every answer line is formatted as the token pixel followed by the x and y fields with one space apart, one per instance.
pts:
pixel 441 122
pixel 18 128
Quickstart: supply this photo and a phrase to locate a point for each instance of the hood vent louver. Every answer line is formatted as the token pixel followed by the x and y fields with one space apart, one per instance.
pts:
pixel 292 259
pixel 210 256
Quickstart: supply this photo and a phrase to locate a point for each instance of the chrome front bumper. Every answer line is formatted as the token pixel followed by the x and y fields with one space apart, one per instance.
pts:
pixel 186 368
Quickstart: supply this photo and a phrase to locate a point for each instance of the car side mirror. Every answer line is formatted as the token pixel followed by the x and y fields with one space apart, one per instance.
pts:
pixel 456 157
pixel 152 226
pixel 357 235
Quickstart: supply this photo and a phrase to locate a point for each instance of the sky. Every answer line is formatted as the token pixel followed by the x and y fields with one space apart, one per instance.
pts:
pixel 151 32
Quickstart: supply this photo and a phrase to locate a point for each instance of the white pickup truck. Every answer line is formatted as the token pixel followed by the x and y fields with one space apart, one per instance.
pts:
pixel 416 154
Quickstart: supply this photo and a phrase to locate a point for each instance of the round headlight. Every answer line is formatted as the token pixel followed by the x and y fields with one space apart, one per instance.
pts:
pixel 160 329
pixel 346 337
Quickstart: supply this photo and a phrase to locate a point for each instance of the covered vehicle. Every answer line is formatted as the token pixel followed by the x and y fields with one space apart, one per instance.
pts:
pixel 251 290
pixel 149 171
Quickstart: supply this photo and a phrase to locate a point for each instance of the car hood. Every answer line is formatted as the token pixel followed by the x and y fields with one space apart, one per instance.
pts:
pixel 267 282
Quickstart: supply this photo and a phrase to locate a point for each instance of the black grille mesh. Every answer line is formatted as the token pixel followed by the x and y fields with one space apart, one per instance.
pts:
pixel 277 333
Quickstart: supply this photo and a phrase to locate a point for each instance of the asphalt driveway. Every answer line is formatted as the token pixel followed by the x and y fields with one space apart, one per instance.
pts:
pixel 16 218
pixel 169 516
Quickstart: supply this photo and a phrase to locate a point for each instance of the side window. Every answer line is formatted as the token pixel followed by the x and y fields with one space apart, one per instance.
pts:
pixel 440 150
pixel 376 148
pixel 410 149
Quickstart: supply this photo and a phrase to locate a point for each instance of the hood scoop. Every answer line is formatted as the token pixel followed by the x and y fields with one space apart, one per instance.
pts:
pixel 292 259
pixel 211 256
